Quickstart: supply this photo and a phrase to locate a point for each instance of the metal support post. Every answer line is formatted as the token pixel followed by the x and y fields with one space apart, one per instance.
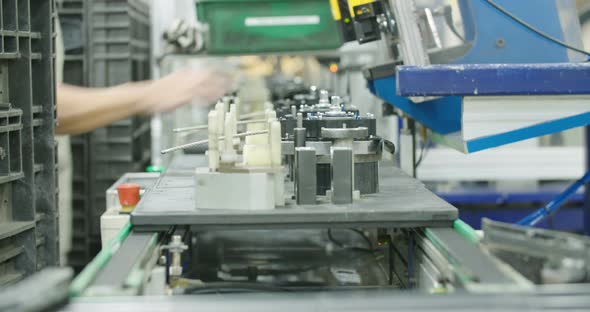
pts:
pixel 408 147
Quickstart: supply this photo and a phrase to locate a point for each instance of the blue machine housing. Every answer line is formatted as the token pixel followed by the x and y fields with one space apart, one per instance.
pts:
pixel 485 27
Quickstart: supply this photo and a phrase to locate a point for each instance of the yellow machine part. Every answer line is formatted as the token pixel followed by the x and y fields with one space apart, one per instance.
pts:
pixel 353 3
pixel 335 10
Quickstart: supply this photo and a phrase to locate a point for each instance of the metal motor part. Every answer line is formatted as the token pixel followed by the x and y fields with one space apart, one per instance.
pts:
pixel 305 176
pixel 342 175
pixel 322 134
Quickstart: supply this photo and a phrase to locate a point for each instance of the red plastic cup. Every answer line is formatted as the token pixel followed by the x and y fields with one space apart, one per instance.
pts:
pixel 128 196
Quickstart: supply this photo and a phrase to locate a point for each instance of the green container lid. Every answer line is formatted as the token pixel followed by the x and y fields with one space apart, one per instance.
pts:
pixel 262 26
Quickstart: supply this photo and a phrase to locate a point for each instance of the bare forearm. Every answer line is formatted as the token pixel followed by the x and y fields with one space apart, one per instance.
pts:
pixel 85 109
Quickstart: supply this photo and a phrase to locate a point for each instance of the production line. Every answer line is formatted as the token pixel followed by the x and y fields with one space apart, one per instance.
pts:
pixel 303 202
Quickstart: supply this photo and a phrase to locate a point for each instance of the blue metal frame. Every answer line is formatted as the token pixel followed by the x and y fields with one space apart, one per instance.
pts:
pixel 493 79
pixel 587 203
pixel 442 115
pixel 483 196
pixel 486 26
pixel 554 126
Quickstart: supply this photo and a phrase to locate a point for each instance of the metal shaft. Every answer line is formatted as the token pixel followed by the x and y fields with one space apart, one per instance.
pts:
pixel 188 145
pixel 205 127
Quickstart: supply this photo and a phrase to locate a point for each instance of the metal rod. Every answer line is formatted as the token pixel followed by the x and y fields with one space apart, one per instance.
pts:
pixel 205 127
pixel 254 114
pixel 239 135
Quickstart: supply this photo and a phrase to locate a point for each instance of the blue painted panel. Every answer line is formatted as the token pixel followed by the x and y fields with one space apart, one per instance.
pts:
pixel 493 79
pixel 487 196
pixel 527 133
pixel 441 115
pixel 520 45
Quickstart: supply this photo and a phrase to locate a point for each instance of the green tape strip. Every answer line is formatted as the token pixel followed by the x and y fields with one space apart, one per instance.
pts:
pixel 83 280
pixel 466 231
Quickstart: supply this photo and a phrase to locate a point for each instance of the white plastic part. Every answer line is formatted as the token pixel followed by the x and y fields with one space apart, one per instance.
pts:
pixel 257 139
pixel 279 186
pixel 250 191
pixel 213 152
pixel 229 154
pixel 271 115
pixel 220 122
pixel 111 222
pixel 275 143
pixel 156 285
pixel 225 101
pixel 238 108
pixel 257 155
pixel 268 106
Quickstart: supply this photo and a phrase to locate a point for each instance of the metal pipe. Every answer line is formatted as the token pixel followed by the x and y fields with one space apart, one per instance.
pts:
pixel 540 214
pixel 188 145
pixel 205 127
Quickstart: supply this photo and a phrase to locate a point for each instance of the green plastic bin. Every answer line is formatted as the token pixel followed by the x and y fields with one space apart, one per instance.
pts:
pixel 262 26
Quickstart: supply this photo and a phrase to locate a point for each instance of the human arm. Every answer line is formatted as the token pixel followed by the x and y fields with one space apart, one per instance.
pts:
pixel 85 109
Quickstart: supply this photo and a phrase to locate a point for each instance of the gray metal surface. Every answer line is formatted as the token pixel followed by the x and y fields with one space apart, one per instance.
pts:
pixel 114 275
pixel 28 191
pixel 342 175
pixel 305 176
pixel 542 256
pixel 567 298
pixel 299 137
pixel 470 257
pixel 345 133
pixel 40 292
pixel 402 202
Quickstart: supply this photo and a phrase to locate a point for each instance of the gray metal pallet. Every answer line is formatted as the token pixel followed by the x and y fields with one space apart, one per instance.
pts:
pixel 28 188
pixel 402 202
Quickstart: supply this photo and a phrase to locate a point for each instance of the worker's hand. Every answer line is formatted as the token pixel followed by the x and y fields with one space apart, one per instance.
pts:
pixel 180 88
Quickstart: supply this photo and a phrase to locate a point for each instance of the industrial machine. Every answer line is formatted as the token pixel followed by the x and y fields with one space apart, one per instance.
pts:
pixel 300 201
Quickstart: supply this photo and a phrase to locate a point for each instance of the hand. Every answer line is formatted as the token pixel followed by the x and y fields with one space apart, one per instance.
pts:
pixel 181 88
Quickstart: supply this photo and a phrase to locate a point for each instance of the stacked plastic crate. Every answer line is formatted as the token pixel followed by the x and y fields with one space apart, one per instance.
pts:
pixel 28 178
pixel 115 50
pixel 72 16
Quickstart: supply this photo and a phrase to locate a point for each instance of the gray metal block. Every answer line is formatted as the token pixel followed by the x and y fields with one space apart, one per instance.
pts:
pixel 305 176
pixel 299 137
pixel 342 175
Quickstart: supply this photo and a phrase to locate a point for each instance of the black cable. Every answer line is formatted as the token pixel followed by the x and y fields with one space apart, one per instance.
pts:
pixel 333 240
pixel 365 237
pixel 341 245
pixel 533 29
pixel 234 287
pixel 423 152
pixel 448 14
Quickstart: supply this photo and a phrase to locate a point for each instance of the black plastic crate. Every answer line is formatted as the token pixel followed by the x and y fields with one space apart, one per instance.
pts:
pixel 28 197
pixel 107 43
